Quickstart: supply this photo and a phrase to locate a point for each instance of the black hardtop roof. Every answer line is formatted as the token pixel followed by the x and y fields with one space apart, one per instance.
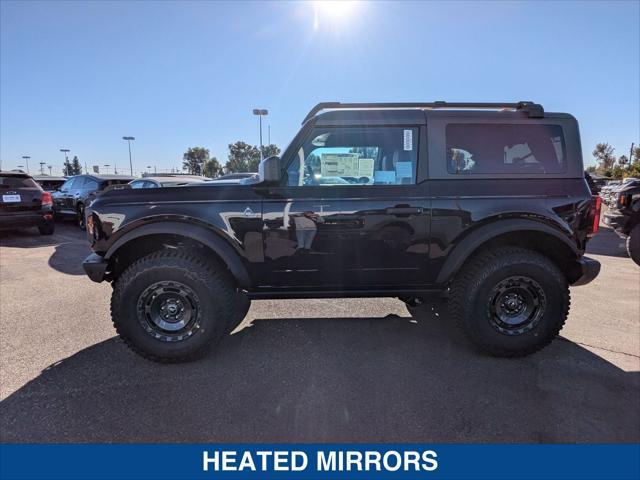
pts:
pixel 339 110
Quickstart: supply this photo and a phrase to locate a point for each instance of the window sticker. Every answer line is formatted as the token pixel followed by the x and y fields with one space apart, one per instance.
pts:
pixel 408 140
pixel 365 168
pixel 339 164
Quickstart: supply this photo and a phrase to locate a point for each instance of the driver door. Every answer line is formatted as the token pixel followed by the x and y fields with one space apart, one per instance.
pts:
pixel 349 213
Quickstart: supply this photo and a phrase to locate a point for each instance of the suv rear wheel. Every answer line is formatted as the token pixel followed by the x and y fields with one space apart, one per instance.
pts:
pixel 633 244
pixel 172 305
pixel 510 302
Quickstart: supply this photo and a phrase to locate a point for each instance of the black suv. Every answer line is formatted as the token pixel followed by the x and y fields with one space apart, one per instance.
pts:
pixel 77 192
pixel 484 203
pixel 624 217
pixel 23 203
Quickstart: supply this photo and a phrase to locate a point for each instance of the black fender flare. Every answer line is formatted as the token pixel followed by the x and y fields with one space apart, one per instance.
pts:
pixel 196 232
pixel 470 243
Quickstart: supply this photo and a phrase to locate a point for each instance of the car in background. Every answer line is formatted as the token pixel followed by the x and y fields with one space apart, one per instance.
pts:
pixel 77 192
pixel 49 183
pixel 23 203
pixel 167 181
pixel 624 217
pixel 236 178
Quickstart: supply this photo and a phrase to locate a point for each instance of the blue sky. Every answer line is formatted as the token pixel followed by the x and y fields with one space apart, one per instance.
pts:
pixel 81 75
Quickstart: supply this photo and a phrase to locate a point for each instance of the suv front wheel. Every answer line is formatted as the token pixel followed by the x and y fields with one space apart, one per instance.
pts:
pixel 510 301
pixel 172 305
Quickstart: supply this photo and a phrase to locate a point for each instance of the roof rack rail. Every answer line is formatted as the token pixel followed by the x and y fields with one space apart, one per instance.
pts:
pixel 534 110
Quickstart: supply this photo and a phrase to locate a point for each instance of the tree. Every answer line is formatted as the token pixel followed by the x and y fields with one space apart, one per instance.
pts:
pixel 623 160
pixel 242 158
pixel 270 151
pixel 212 168
pixel 67 170
pixel 76 169
pixel 604 154
pixel 194 159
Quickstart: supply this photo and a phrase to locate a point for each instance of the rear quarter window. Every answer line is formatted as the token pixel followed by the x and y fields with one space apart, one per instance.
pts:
pixel 505 149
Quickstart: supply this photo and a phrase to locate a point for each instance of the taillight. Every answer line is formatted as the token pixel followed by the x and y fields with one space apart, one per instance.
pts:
pixel 46 199
pixel 596 207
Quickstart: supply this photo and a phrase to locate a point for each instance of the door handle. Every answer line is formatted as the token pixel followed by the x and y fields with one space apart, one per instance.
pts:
pixel 403 211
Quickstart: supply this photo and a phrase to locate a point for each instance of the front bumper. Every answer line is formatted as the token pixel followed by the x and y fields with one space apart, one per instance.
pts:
pixel 583 271
pixel 95 267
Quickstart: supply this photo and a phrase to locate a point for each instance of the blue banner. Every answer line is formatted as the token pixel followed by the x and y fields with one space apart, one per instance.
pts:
pixel 292 462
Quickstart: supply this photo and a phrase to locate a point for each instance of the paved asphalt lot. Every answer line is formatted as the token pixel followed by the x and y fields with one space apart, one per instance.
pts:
pixel 308 370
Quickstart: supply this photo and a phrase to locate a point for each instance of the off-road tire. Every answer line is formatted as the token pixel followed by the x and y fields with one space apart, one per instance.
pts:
pixel 240 309
pixel 470 301
pixel 633 244
pixel 47 229
pixel 210 281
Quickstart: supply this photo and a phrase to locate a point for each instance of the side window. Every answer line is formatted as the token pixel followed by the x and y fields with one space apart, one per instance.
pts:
pixel 495 149
pixel 356 156
pixel 67 185
pixel 90 185
pixel 138 184
pixel 77 183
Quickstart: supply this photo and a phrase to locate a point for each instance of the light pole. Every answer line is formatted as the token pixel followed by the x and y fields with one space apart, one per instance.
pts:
pixel 66 160
pixel 106 167
pixel 128 139
pixel 260 113
pixel 26 159
pixel 42 164
pixel 49 167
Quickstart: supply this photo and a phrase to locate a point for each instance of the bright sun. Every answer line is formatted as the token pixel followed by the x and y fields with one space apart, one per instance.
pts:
pixel 332 10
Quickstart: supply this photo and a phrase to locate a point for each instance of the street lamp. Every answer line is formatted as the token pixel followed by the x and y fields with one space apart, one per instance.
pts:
pixel 260 113
pixel 128 139
pixel 26 159
pixel 49 167
pixel 42 164
pixel 66 160
pixel 106 167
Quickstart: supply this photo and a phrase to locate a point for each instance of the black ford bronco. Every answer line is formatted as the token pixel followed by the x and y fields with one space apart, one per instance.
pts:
pixel 485 203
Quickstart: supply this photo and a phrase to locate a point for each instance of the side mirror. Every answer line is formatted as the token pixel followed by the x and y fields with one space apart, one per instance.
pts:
pixel 270 170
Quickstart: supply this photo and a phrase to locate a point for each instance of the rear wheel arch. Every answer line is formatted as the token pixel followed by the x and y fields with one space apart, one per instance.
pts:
pixel 149 238
pixel 524 233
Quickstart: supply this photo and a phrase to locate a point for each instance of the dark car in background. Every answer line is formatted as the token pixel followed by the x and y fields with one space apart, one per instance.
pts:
pixel 77 192
pixel 49 183
pixel 624 216
pixel 23 203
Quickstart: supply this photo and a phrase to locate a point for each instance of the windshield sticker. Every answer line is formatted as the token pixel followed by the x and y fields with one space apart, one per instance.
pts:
pixel 408 140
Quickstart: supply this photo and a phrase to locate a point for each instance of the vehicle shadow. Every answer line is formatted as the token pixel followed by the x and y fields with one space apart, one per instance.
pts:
pixel 71 246
pixel 607 242
pixel 387 379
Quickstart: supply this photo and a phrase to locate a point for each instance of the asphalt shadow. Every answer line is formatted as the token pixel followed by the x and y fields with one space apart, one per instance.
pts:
pixel 607 242
pixel 71 245
pixel 330 380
